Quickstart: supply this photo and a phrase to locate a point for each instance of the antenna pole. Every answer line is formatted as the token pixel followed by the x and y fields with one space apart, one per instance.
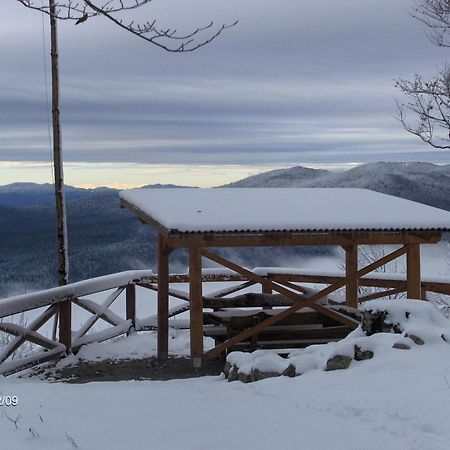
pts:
pixel 63 262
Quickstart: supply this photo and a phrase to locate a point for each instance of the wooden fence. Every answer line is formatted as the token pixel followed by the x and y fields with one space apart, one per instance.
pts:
pixel 51 301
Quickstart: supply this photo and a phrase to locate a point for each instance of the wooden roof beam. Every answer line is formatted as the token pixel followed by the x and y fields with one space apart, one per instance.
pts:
pixel 343 239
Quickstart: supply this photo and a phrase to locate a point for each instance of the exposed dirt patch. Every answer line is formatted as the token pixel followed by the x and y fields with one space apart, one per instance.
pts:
pixel 131 369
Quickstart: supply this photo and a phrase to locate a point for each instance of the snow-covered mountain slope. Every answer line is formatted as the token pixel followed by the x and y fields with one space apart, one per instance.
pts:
pixel 104 239
pixel 292 177
pixel 423 182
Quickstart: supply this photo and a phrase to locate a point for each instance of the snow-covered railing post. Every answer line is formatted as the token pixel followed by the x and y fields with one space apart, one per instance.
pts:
pixel 131 305
pixel 65 324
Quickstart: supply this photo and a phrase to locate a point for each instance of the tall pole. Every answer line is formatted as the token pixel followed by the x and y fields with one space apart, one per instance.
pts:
pixel 63 262
pixel 64 308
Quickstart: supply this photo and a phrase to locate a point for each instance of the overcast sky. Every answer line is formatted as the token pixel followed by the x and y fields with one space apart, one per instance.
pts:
pixel 295 82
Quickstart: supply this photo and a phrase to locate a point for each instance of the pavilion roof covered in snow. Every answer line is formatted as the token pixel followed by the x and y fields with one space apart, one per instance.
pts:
pixel 201 220
pixel 287 210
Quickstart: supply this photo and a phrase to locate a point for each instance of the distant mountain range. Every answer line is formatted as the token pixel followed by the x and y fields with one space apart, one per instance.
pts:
pixel 422 182
pixel 105 239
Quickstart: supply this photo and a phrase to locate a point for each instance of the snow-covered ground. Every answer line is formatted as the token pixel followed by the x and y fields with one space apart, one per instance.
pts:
pixel 399 403
pixel 398 400
pixel 136 346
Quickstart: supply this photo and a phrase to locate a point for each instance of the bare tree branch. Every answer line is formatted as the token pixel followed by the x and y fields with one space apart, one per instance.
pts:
pixel 426 111
pixel 429 101
pixel 168 39
pixel 435 14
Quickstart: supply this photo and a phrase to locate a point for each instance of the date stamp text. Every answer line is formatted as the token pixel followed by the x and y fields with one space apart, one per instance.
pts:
pixel 9 400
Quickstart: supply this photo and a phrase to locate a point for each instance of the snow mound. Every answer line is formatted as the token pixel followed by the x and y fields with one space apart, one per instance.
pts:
pixel 411 325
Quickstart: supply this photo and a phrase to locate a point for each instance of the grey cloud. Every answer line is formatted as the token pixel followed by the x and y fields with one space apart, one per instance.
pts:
pixel 294 81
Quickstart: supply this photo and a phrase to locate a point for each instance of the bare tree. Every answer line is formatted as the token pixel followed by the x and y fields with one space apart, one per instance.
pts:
pixel 426 112
pixel 167 38
pixel 429 102
pixel 435 14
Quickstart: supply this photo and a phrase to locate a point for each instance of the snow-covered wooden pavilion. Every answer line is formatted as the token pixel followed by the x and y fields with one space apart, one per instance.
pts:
pixel 200 219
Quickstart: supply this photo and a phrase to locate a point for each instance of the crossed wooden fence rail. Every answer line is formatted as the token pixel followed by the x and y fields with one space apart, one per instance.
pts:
pixel 116 284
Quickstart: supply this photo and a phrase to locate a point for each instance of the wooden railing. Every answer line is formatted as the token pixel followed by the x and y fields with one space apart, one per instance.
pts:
pixel 75 293
pixel 47 302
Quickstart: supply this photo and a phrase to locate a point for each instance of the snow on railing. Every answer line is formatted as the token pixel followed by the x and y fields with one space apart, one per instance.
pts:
pixel 76 293
pixel 34 300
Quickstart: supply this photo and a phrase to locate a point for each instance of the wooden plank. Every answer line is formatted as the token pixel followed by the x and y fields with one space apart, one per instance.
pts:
pixel 303 290
pixel 37 323
pixel 29 335
pixel 247 318
pixel 206 277
pixel 327 311
pixel 250 300
pixel 196 306
pixel 309 291
pixel 380 294
pixel 215 330
pixel 65 324
pixel 163 298
pixel 172 292
pixel 130 306
pixel 280 239
pixel 285 344
pixel 310 302
pixel 231 290
pixel 287 332
pixel 440 288
pixel 331 279
pixel 287 292
pixel 351 266
pixel 102 335
pixel 151 322
pixel 413 286
pixel 15 366
pixel 272 333
pixel 99 311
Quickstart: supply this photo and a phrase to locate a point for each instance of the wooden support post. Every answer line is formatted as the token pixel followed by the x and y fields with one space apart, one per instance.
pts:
pixel 413 283
pixel 351 266
pixel 196 306
pixel 266 288
pixel 131 305
pixel 163 298
pixel 65 324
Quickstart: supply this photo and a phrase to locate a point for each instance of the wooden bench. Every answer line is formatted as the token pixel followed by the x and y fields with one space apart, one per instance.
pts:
pixel 303 328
